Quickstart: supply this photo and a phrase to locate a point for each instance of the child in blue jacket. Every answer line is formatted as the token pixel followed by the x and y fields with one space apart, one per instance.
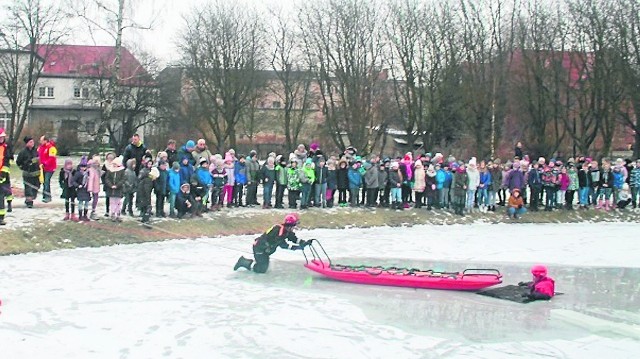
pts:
pixel 173 183
pixel 355 182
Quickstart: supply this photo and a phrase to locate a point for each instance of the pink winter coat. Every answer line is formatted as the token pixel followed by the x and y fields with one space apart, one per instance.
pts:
pixel 564 181
pixel 545 286
pixel 93 184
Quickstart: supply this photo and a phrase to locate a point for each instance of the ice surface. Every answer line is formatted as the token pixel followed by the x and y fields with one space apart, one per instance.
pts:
pixel 181 299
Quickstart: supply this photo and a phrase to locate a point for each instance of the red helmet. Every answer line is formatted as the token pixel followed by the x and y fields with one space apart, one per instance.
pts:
pixel 539 270
pixel 291 219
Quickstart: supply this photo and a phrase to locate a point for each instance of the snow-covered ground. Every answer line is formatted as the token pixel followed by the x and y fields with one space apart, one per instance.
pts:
pixel 181 299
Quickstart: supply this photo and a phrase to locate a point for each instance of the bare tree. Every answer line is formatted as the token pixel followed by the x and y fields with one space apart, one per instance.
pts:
pixel 29 24
pixel 112 18
pixel 344 43
pixel 409 56
pixel 486 45
pixel 294 81
pixel 601 91
pixel 133 100
pixel 541 78
pixel 627 28
pixel 222 46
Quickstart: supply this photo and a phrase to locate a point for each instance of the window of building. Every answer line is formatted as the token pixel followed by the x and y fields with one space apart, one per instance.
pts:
pixel 275 104
pixel 80 92
pixel 90 126
pixel 45 91
pixel 5 119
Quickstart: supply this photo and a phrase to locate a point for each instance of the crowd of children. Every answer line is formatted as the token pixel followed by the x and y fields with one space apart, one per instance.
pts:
pixel 191 180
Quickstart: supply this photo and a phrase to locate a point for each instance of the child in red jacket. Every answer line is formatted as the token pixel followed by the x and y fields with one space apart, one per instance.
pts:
pixel 542 287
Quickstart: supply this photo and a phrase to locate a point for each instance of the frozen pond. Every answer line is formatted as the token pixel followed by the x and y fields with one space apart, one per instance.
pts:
pixel 181 299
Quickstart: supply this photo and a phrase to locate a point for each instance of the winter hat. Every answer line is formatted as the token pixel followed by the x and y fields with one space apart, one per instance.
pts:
pixel 83 162
pixel 190 144
pixel 175 166
pixel 68 163
pixel 619 162
pixel 26 139
pixel 117 162
pixel 473 162
pixel 185 185
pixel 314 146
pixel 308 161
pixel 418 164
pixel 394 164
pixel 542 160
pixel 203 160
pixel 160 163
pixel 154 173
pixel 2 132
pixel 454 166
pixel 94 161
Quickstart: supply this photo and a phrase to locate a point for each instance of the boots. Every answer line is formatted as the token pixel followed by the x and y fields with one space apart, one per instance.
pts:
pixel 607 205
pixel 10 209
pixel 600 204
pixel 73 217
pixel 66 217
pixel 94 216
pixel 2 222
pixel 243 263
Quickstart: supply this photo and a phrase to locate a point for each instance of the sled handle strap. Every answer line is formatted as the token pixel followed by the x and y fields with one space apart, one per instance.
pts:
pixel 482 271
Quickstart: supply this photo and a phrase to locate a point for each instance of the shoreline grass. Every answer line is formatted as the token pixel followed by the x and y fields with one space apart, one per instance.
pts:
pixel 44 236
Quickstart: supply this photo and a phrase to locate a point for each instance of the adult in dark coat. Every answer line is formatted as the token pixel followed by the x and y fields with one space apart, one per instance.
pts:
pixel 136 149
pixel 29 162
pixel 172 153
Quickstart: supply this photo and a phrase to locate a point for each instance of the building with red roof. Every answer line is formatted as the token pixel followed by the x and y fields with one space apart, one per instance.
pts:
pixel 72 89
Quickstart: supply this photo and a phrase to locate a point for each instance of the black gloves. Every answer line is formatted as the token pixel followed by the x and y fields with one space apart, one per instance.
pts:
pixel 304 243
pixel 520 207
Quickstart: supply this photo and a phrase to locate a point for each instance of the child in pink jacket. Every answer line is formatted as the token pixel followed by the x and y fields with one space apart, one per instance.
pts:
pixel 542 287
pixel 93 184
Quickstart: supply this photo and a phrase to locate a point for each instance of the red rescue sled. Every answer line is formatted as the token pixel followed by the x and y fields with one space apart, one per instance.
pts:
pixel 469 279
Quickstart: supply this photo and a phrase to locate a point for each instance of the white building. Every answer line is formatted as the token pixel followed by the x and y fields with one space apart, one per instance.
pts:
pixel 73 90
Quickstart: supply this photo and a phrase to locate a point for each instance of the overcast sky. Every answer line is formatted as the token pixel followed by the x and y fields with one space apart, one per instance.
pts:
pixel 168 15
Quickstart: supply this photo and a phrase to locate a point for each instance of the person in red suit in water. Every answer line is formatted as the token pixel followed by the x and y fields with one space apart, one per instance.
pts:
pixel 280 235
pixel 542 287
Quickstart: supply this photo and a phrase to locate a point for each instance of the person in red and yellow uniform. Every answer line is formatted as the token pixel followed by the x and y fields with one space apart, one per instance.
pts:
pixel 280 235
pixel 6 155
pixel 47 153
